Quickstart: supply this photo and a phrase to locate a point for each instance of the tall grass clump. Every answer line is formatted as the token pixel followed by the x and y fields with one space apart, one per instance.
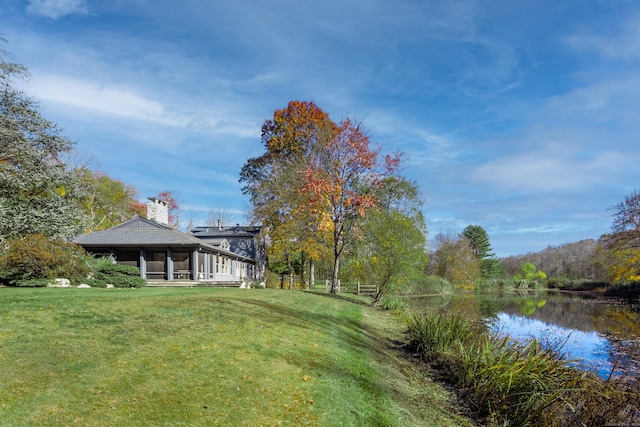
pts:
pixel 436 333
pixel 512 384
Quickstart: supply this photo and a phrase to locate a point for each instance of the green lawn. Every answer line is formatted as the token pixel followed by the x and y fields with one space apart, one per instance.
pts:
pixel 197 356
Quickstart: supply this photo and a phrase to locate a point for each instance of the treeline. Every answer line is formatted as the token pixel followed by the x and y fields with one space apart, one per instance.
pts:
pixel 613 260
pixel 572 260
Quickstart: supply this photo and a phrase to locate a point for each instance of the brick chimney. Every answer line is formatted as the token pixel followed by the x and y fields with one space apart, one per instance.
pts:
pixel 157 210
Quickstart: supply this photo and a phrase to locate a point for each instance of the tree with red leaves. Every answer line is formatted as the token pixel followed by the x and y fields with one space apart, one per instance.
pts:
pixel 314 181
pixel 341 180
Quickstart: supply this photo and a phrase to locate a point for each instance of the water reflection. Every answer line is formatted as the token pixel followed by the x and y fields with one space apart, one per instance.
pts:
pixel 587 349
pixel 603 334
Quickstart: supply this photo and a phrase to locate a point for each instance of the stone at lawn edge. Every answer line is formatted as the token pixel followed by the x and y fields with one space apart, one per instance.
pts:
pixel 59 283
pixel 83 286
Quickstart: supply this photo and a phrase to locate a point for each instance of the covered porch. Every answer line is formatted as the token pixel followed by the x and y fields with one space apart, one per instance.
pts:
pixel 164 254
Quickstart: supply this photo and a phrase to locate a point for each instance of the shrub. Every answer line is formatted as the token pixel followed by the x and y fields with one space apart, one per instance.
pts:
pixel 35 260
pixel 630 290
pixel 104 272
pixel 496 283
pixel 430 285
pixel 272 279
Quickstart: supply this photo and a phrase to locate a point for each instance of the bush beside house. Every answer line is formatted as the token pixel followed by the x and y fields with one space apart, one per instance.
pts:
pixel 36 261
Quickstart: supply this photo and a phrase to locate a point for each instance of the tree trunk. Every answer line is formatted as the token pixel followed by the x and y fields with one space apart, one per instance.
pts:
pixel 377 297
pixel 303 271
pixel 290 267
pixel 334 276
pixel 336 255
pixel 312 274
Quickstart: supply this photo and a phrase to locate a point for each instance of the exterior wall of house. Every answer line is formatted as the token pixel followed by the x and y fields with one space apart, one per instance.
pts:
pixel 179 264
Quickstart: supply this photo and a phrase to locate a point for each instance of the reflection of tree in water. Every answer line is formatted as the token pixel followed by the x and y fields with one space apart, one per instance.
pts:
pixel 617 321
pixel 528 306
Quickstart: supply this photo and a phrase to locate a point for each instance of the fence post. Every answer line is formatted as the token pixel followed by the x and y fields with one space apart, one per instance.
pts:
pixel 358 288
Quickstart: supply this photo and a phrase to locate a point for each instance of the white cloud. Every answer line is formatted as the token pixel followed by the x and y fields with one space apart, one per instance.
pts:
pixel 55 9
pixel 547 170
pixel 101 98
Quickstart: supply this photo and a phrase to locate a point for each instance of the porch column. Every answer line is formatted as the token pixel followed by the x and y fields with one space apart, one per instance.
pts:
pixel 169 265
pixel 205 273
pixel 143 263
pixel 194 264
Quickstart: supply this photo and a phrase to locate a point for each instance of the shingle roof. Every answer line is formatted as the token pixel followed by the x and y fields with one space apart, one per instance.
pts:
pixel 234 231
pixel 143 232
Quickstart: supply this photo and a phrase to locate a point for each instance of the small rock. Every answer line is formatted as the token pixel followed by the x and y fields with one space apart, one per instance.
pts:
pixel 110 286
pixel 59 283
pixel 83 286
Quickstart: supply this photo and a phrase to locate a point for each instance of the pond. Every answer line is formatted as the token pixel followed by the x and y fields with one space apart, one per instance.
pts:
pixel 599 334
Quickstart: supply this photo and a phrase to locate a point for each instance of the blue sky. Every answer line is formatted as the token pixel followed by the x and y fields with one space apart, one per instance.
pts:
pixel 521 116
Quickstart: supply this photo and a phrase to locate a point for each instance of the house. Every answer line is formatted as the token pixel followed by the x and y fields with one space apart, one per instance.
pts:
pixel 240 240
pixel 164 253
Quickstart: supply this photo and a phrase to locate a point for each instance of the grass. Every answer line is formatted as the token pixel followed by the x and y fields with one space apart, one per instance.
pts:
pixel 178 357
pixel 511 384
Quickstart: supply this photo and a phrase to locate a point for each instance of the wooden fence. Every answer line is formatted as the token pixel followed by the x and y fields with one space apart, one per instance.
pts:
pixel 356 288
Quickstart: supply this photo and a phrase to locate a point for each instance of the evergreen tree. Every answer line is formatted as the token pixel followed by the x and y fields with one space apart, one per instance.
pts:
pixel 39 193
pixel 479 239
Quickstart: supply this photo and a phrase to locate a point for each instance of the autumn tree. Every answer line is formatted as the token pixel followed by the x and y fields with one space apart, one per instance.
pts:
pixel 39 193
pixel 626 221
pixel 454 259
pixel 314 181
pixel 479 239
pixel 274 181
pixel 340 184
pixel 623 244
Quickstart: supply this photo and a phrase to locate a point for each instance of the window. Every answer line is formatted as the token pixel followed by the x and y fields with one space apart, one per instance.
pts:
pixel 181 261
pixel 156 262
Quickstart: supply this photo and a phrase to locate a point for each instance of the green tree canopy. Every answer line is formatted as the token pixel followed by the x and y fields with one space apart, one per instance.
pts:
pixel 391 250
pixel 107 201
pixel 530 273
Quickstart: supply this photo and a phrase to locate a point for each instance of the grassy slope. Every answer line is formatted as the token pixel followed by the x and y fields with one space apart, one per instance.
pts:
pixel 205 357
